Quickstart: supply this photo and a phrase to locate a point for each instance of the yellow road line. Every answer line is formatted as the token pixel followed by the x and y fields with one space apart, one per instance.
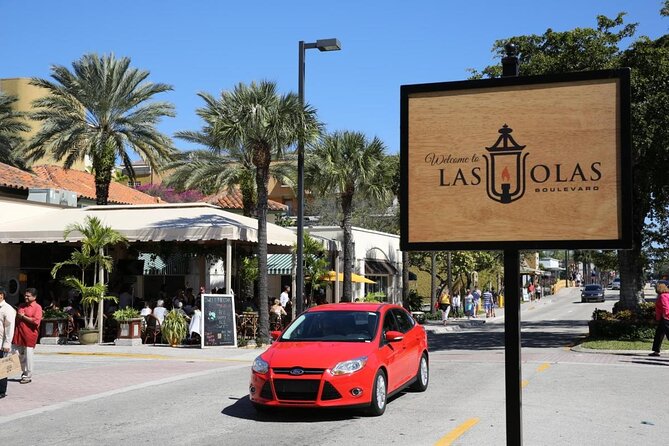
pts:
pixel 524 383
pixel 457 432
pixel 543 367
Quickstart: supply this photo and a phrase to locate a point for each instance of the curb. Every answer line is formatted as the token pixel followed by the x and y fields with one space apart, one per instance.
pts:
pixel 580 349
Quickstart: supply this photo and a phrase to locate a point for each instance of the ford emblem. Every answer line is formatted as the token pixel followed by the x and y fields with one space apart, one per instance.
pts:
pixel 297 371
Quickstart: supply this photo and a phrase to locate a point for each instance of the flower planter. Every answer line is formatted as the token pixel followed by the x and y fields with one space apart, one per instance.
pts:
pixel 54 331
pixel 129 332
pixel 87 336
pixel 54 327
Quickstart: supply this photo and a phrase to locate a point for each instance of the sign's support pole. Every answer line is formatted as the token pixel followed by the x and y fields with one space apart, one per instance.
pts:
pixel 512 368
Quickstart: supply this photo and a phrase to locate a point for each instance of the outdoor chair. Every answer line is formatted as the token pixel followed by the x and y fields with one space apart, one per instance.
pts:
pixel 152 329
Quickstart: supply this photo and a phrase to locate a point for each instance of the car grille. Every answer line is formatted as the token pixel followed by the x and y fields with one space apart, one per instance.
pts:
pixel 266 391
pixel 329 392
pixel 305 371
pixel 296 389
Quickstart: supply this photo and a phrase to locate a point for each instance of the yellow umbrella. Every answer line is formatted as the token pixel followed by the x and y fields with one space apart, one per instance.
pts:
pixel 356 278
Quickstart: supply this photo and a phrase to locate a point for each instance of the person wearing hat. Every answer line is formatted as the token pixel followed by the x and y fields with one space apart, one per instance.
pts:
pixel 662 318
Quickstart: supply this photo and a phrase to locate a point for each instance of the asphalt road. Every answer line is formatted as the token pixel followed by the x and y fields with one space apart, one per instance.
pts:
pixel 569 398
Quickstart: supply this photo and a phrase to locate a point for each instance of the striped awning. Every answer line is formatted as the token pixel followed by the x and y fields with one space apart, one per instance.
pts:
pixel 280 264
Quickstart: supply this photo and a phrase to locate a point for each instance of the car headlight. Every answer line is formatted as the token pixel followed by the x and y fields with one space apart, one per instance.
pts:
pixel 347 367
pixel 260 366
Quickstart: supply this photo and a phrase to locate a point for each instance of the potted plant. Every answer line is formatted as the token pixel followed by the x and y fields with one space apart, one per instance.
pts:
pixel 91 297
pixel 95 238
pixel 174 328
pixel 129 326
pixel 54 324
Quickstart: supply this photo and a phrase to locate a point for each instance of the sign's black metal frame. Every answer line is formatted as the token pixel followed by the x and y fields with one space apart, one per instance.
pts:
pixel 625 162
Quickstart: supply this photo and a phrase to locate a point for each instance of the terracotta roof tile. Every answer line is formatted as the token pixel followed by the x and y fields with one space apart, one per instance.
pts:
pixel 20 179
pixel 233 200
pixel 83 184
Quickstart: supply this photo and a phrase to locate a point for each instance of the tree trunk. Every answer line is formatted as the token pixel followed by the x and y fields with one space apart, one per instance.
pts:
pixel 262 178
pixel 103 164
pixel 630 261
pixel 433 283
pixel 346 207
pixel 405 279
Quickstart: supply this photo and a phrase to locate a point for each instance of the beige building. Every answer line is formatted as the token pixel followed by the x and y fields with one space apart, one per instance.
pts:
pixel 26 93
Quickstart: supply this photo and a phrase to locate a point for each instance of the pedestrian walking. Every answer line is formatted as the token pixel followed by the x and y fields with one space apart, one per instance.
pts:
pixel 444 305
pixel 28 319
pixel 487 303
pixel 469 304
pixel 7 318
pixel 476 294
pixel 455 303
pixel 662 318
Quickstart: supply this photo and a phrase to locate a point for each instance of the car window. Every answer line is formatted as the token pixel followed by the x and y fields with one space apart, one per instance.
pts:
pixel 592 287
pixel 389 323
pixel 404 321
pixel 345 326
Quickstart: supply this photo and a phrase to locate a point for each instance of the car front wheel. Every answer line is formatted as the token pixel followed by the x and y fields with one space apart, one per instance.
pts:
pixel 423 375
pixel 379 395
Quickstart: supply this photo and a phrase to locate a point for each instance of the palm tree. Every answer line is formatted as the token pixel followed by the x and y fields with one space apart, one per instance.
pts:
pixel 347 164
pixel 96 238
pixel 11 127
pixel 262 125
pixel 219 169
pixel 100 110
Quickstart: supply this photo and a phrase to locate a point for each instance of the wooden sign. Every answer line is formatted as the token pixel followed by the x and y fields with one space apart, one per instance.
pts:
pixel 219 320
pixel 534 162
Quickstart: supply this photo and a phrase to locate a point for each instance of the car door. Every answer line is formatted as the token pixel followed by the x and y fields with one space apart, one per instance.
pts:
pixel 410 344
pixel 391 352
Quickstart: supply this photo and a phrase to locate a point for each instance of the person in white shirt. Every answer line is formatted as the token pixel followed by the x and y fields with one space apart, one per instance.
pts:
pixel 160 311
pixel 7 318
pixel 284 298
pixel 146 310
pixel 195 323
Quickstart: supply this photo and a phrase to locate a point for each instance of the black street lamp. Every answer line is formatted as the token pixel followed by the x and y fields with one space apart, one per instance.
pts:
pixel 322 45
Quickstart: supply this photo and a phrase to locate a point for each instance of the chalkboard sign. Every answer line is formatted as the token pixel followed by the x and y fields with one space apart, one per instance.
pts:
pixel 218 316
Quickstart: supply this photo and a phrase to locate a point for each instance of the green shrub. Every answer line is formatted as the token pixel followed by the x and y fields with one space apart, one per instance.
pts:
pixel 125 314
pixel 436 316
pixel 54 313
pixel 415 301
pixel 242 342
pixel 623 330
pixel 624 325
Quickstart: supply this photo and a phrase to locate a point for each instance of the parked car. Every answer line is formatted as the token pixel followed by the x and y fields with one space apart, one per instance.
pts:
pixel 615 285
pixel 593 292
pixel 342 355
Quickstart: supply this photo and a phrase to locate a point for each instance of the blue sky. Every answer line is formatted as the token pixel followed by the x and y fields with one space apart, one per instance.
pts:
pixel 211 45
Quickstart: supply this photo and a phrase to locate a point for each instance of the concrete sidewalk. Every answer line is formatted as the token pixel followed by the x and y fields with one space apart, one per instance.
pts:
pixel 150 351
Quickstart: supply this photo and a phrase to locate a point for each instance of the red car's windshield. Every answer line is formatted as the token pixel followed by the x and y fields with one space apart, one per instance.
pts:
pixel 338 326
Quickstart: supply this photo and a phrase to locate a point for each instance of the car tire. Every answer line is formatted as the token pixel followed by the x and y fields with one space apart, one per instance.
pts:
pixel 422 375
pixel 379 395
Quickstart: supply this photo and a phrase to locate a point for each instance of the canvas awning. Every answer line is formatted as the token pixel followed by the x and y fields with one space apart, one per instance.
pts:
pixel 146 223
pixel 280 264
pixel 379 267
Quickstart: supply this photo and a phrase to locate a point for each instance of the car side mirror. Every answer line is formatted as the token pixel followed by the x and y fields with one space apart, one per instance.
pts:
pixel 394 336
pixel 275 335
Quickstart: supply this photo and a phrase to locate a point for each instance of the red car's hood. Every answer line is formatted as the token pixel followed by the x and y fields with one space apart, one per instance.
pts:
pixel 315 354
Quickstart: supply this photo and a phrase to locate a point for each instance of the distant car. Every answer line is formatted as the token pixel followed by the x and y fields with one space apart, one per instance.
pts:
pixel 615 285
pixel 593 292
pixel 342 355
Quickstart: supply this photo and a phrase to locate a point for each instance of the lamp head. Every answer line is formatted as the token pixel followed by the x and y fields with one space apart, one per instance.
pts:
pixel 328 45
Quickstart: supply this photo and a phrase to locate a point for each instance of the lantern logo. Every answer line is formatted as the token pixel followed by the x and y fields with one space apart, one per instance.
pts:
pixel 505 168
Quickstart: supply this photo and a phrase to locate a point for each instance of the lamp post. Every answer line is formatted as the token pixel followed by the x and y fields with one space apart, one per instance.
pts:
pixel 322 45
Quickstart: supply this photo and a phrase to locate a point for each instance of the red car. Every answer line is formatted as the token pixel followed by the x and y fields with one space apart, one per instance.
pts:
pixel 342 355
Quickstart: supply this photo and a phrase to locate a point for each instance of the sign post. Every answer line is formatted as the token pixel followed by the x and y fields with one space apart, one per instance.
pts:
pixel 517 163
